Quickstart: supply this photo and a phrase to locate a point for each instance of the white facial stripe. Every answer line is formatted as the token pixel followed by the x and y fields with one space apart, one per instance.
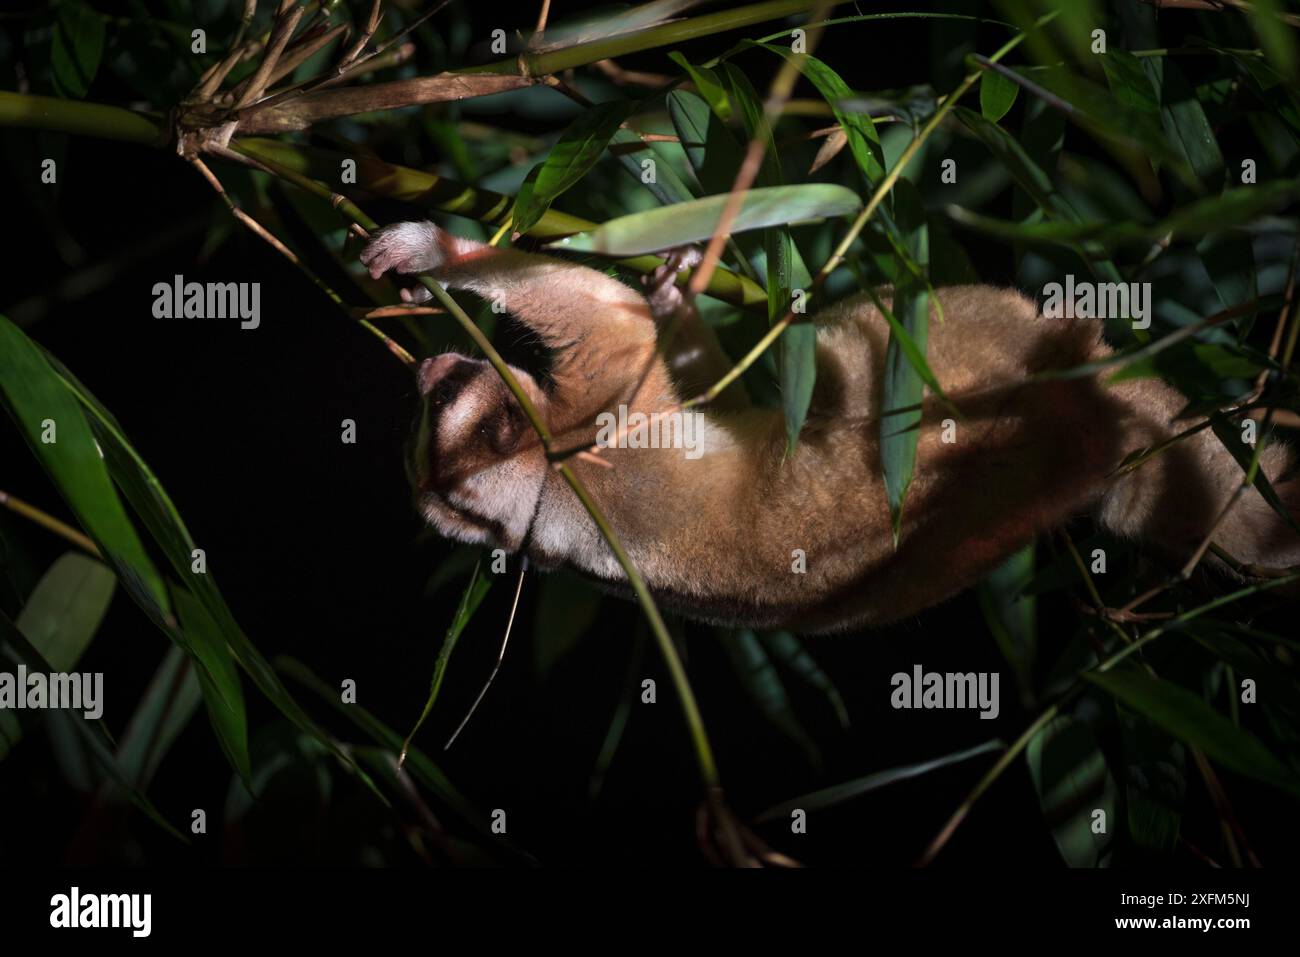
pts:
pixel 462 412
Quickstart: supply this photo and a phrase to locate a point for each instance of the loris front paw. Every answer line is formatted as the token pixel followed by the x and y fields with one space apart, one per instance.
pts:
pixel 405 248
pixel 661 290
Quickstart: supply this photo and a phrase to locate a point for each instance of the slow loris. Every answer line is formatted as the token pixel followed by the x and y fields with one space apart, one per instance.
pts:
pixel 715 531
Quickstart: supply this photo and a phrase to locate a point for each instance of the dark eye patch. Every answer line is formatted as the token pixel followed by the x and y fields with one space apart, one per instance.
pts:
pixel 499 428
pixel 446 389
pixel 441 393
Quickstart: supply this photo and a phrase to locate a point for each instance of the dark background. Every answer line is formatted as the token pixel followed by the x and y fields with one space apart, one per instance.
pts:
pixel 317 549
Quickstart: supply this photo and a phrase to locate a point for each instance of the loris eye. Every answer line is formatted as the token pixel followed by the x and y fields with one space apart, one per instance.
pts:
pixel 442 393
pixel 499 429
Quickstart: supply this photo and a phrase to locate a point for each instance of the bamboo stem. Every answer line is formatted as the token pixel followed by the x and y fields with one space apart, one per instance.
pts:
pixel 664 34
pixel 78 119
pixel 47 521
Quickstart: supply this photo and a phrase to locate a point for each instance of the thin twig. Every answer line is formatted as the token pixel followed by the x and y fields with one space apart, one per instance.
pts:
pixel 259 230
pixel 946 832
pixel 214 75
pixel 501 656
pixel 541 21
pixel 1217 7
pixel 280 37
pixel 47 521
pixel 372 24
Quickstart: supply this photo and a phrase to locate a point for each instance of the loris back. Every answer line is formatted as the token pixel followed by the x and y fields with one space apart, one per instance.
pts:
pixel 739 531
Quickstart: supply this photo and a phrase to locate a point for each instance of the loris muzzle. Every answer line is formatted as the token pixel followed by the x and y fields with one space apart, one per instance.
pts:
pixel 741 532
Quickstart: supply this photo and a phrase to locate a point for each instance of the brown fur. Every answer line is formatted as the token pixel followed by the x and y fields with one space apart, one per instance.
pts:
pixel 714 536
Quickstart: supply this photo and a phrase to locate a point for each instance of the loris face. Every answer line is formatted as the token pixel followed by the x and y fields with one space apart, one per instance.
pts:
pixel 478 464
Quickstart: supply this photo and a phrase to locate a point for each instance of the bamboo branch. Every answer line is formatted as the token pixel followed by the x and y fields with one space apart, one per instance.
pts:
pixel 302 111
pixel 664 34
pixel 47 521
pixel 78 119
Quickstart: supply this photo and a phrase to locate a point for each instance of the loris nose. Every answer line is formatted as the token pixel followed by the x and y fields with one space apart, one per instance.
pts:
pixel 431 370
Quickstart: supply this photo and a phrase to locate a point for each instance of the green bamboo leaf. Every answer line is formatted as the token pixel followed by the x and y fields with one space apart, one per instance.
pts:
pixel 1229 259
pixel 1232 209
pixel 168 704
pixel 903 386
pixel 1072 24
pixel 1230 435
pixel 708 84
pixel 1026 172
pixel 798 348
pixel 1075 789
pixel 1187 126
pixel 1155 782
pixel 291 772
pixel 576 152
pixel 566 607
pixel 42 407
pixel 997 95
pixel 1012 615
pixel 1198 368
pixel 786 271
pixel 839 793
pixel 1275 36
pixel 1275 684
pixel 91 740
pixel 762 682
pixel 1128 82
pixel 683 223
pixel 59 618
pixel 622 712
pixel 1279 96
pixel 911 350
pixel 1043 137
pixel 665 186
pixel 470 599
pixel 417 763
pixel 64 610
pixel 1023 169
pixel 152 504
pixel 691 119
pixel 714 156
pixel 864 141
pixel 218 680
pixel 791 653
pixel 77 49
pixel 1110 118
pixel 1192 721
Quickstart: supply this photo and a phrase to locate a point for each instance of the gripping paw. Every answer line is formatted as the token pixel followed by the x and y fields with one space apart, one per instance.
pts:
pixel 406 248
pixel 661 290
